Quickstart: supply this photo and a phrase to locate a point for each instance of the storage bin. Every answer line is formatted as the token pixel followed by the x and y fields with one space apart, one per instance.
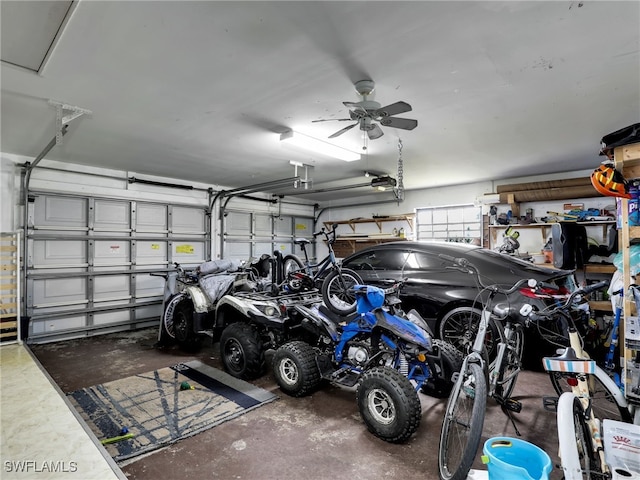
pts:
pixel 514 459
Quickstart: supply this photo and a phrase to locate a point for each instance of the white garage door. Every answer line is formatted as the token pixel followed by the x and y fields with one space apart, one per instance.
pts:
pixel 90 261
pixel 251 234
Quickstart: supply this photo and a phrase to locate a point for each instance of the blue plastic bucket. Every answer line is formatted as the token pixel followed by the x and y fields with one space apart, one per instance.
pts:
pixel 513 459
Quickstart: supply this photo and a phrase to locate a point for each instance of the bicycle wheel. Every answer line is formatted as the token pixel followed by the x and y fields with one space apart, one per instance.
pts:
pixel 511 364
pixel 462 425
pixel 460 325
pixel 291 263
pixel 579 460
pixel 337 291
pixel 603 402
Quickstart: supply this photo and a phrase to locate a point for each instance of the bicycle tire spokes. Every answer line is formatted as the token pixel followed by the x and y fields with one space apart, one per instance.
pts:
pixel 462 425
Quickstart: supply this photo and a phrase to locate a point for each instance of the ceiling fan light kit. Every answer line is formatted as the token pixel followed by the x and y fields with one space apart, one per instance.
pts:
pixel 318 146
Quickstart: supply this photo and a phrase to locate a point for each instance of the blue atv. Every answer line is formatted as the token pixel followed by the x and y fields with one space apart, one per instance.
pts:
pixel 387 354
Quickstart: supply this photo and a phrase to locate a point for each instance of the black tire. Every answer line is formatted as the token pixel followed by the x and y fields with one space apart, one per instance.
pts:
pixel 603 403
pixel 462 425
pixel 167 333
pixel 183 326
pixel 241 351
pixel 389 405
pixel 441 381
pixel 291 263
pixel 511 365
pixel 460 325
pixel 295 369
pixel 337 291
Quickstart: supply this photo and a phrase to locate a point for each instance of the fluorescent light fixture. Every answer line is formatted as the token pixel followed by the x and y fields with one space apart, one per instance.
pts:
pixel 318 146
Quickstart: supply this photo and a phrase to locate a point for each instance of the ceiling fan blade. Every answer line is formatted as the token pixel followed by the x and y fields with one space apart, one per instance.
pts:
pixel 374 132
pixel 356 107
pixel 404 123
pixel 331 120
pixel 340 132
pixel 393 109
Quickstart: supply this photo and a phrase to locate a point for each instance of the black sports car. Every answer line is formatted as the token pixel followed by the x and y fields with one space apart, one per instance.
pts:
pixel 447 298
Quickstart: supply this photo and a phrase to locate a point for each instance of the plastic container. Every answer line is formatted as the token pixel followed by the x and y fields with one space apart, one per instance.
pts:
pixel 634 214
pixel 514 459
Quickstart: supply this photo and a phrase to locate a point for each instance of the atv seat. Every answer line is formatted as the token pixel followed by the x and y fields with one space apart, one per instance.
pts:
pixel 337 319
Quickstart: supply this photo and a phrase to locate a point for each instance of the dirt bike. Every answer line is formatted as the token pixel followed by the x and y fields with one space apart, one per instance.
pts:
pixel 388 354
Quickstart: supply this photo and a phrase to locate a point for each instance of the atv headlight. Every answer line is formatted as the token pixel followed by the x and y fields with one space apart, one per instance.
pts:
pixel 267 309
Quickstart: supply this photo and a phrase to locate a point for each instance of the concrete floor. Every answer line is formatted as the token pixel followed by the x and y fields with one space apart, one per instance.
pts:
pixel 316 437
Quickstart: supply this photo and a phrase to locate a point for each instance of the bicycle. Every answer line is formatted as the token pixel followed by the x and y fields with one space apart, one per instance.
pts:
pixel 607 399
pixel 463 421
pixel 593 395
pixel 336 283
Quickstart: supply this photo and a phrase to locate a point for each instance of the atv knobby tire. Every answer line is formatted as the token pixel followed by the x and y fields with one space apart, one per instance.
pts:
pixel 441 382
pixel 388 404
pixel 295 369
pixel 241 351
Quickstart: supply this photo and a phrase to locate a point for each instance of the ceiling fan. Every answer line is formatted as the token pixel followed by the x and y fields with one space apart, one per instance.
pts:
pixel 366 112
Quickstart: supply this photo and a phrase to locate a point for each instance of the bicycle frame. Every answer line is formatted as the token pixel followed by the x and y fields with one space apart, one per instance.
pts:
pixel 323 265
pixel 569 456
pixel 579 369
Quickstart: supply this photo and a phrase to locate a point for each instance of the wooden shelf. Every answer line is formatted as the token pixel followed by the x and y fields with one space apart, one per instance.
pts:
pixel 602 268
pixel 407 217
pixel 602 305
pixel 347 244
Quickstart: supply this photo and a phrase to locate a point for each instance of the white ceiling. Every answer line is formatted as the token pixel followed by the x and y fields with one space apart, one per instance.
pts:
pixel 200 91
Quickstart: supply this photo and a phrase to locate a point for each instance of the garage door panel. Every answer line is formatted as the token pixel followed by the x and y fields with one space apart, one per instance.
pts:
pixel 112 216
pixel 149 286
pixel 188 221
pixel 52 211
pixel 55 325
pixel 283 226
pixel 150 312
pixel 57 291
pixel 303 228
pixel 238 224
pixel 151 218
pixel 118 316
pixel 263 225
pixel 260 248
pixel 59 253
pixel 110 287
pixel 237 250
pixel 188 252
pixel 110 252
pixel 151 253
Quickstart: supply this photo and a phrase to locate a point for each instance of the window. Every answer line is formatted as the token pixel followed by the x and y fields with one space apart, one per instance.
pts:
pixel 461 223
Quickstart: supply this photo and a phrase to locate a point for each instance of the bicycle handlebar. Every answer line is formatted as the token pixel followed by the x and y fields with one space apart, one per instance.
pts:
pixel 581 291
pixel 466 266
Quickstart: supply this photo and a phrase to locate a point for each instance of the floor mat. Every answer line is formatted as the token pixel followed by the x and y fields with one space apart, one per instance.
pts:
pixel 160 407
